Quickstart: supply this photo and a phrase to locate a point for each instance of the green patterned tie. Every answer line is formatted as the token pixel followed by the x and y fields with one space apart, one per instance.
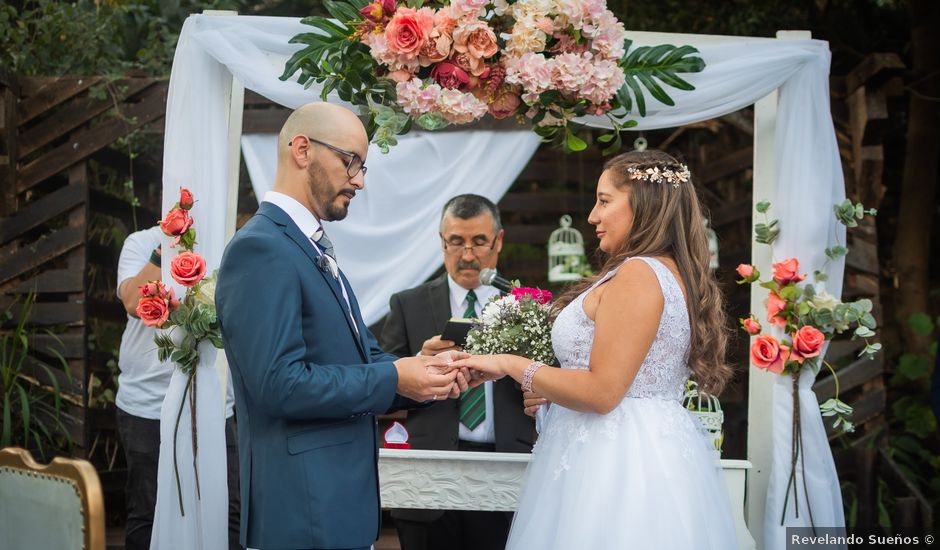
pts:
pixel 473 401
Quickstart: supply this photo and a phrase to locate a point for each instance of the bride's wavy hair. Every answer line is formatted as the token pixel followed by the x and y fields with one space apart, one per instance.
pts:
pixel 668 221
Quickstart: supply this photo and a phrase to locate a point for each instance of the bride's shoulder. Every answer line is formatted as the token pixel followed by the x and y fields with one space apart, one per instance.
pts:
pixel 635 272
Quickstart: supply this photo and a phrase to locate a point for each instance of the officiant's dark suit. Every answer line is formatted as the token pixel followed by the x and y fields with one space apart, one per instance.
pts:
pixel 471 238
pixel 309 377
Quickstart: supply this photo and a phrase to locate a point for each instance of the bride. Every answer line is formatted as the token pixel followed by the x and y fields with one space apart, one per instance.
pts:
pixel 620 463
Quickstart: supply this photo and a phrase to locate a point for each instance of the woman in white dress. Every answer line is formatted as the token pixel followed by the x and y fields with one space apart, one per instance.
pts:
pixel 620 463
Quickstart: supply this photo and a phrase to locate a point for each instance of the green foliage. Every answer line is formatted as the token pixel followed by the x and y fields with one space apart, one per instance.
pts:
pixel 766 233
pixel 646 65
pixel 848 214
pixel 31 413
pixel 50 38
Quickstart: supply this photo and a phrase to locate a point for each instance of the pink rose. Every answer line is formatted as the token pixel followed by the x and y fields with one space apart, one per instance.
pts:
pixel 541 296
pixel 153 310
pixel 186 199
pixel 188 268
pixel 767 353
pixel 787 272
pixel 775 306
pixel 450 76
pixel 401 75
pixel 437 47
pixel 751 325
pixel 408 31
pixel 149 289
pixel 505 102
pixel 176 222
pixel 745 271
pixel 807 343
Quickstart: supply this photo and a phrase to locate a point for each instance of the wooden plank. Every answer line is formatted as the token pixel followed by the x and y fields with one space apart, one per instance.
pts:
pixel 898 481
pixel 529 233
pixel 42 93
pixel 863 256
pixel 49 313
pixel 730 213
pixel 70 346
pixel 78 112
pixel 151 106
pixel 40 252
pixel 107 310
pixel 71 382
pixel 41 211
pixel 121 209
pixel 55 280
pixel 850 377
pixel 873 69
pixel 728 165
pixel 841 349
pixel 8 152
pixel 264 121
pixel 552 202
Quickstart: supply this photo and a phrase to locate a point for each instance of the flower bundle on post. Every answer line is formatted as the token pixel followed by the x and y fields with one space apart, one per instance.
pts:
pixel 186 322
pixel 808 317
pixel 517 323
pixel 454 61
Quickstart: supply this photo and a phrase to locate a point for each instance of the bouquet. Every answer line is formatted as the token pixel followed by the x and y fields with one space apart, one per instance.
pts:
pixel 807 317
pixel 186 322
pixel 455 61
pixel 517 323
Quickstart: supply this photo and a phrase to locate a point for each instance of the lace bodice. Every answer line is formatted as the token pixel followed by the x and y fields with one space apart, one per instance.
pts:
pixel 665 370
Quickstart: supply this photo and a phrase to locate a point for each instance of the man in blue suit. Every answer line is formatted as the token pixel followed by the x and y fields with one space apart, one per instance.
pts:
pixel 309 377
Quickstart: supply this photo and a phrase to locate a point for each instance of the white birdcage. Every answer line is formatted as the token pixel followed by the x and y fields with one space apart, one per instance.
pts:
pixel 707 409
pixel 712 244
pixel 566 260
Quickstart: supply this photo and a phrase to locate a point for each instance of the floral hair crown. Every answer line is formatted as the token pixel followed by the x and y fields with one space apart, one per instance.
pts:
pixel 670 173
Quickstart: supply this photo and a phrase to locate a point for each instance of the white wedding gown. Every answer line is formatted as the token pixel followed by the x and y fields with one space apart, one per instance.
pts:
pixel 644 476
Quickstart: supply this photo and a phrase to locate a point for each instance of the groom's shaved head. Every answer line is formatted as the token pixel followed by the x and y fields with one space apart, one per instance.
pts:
pixel 325 122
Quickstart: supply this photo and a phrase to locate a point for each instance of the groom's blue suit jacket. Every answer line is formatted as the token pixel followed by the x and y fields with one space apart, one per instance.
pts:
pixel 307 390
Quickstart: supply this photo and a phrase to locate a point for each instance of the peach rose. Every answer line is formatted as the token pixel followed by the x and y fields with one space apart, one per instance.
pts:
pixel 476 39
pixel 176 222
pixel 153 310
pixel 186 199
pixel 437 47
pixel 505 102
pixel 807 343
pixel 401 75
pixel 188 268
pixel 767 353
pixel 751 325
pixel 787 272
pixel 408 31
pixel 775 306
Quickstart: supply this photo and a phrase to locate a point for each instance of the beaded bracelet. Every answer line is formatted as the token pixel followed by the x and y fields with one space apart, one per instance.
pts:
pixel 529 373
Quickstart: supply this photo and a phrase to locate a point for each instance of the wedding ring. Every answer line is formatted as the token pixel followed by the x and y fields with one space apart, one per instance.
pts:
pixel 434 398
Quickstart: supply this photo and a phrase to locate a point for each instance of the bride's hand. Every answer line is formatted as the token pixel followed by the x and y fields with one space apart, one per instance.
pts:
pixel 531 402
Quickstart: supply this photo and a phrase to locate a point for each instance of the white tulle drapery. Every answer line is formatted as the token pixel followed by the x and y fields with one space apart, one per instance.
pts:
pixel 739 72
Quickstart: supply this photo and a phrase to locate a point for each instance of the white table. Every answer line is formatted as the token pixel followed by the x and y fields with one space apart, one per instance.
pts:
pixel 457 480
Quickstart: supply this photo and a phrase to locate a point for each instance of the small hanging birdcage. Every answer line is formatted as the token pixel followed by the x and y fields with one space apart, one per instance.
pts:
pixel 707 409
pixel 712 244
pixel 566 259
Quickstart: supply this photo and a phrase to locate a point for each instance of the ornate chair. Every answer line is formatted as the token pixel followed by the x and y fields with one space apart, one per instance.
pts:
pixel 58 506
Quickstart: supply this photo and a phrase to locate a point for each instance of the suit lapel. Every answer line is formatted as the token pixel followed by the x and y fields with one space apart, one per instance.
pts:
pixel 357 314
pixel 293 232
pixel 440 303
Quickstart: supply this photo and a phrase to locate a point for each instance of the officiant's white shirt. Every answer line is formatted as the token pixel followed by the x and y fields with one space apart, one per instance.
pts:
pixel 486 431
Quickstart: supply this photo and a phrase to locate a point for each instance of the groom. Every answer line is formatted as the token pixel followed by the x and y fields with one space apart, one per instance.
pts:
pixel 309 377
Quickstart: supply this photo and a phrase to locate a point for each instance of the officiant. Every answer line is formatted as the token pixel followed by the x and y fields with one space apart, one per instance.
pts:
pixel 488 418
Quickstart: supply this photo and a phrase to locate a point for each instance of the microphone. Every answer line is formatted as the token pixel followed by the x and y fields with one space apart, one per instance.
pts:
pixel 489 276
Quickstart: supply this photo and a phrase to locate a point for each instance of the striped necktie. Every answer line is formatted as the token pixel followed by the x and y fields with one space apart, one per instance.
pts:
pixel 472 409
pixel 319 237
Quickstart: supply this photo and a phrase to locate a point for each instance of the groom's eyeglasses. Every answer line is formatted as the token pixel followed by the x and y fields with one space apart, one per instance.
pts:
pixel 355 163
pixel 479 247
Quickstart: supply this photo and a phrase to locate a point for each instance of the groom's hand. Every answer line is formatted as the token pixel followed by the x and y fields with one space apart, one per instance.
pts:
pixel 418 381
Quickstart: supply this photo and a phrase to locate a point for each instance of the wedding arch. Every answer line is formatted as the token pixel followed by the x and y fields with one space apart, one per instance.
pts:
pixel 796 166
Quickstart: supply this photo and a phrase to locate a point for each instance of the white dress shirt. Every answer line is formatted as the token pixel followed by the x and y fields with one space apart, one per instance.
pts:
pixel 486 431
pixel 308 225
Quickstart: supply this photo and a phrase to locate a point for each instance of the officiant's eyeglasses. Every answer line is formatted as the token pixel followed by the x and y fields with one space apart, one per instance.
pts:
pixel 355 163
pixel 479 247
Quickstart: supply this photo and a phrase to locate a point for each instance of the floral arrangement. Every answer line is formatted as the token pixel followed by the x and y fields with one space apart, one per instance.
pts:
pixel 807 316
pixel 517 323
pixel 452 62
pixel 186 322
